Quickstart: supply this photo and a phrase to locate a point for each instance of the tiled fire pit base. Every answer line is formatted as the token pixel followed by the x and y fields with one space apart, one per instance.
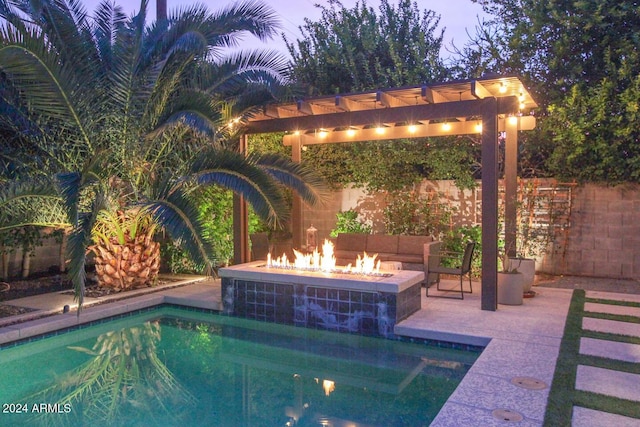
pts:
pixel 367 305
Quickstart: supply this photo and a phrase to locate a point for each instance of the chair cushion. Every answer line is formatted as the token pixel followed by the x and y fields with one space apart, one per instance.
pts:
pixel 413 244
pixel 382 256
pixel 351 242
pixel 382 243
pixel 349 256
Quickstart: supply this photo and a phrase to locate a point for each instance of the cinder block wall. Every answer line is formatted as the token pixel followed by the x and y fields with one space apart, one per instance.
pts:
pixel 604 238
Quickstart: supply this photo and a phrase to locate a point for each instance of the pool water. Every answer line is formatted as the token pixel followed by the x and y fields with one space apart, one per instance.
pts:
pixel 174 367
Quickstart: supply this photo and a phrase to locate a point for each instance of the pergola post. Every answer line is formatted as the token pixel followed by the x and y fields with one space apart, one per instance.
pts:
pixel 511 186
pixel 241 249
pixel 296 214
pixel 489 299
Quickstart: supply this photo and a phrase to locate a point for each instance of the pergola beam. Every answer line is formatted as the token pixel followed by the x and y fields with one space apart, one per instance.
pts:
pixel 431 96
pixel 347 104
pixel 418 130
pixel 413 113
pixel 389 101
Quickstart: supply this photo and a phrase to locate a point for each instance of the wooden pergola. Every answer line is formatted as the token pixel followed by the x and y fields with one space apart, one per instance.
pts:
pixel 483 106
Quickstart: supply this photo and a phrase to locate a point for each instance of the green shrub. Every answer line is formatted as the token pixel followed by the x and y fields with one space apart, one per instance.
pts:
pixel 216 213
pixel 410 213
pixel 348 222
pixel 455 241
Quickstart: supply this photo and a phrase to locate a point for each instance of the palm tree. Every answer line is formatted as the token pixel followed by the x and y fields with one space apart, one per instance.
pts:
pixel 134 118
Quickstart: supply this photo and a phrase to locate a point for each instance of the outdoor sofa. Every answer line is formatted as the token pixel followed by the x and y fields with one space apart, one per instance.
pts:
pixel 414 252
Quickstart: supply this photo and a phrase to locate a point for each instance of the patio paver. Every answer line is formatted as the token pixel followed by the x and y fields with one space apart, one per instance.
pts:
pixel 611 326
pixel 608 382
pixel 610 349
pixel 584 417
pixel 622 310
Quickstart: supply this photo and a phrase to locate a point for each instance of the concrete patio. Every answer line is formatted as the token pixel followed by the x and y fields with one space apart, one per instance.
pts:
pixel 509 381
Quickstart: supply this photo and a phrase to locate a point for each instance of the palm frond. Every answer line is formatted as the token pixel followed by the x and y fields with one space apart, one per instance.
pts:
pixel 14 190
pixel 251 16
pixel 173 210
pixel 235 71
pixel 109 23
pixel 195 120
pixel 72 184
pixel 191 108
pixel 300 178
pixel 232 171
pixel 48 86
pixel 30 202
pixel 78 243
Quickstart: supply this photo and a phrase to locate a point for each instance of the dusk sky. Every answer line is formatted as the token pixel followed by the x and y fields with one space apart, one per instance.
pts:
pixel 456 15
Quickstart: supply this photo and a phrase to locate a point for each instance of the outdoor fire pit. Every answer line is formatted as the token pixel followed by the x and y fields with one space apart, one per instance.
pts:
pixel 316 293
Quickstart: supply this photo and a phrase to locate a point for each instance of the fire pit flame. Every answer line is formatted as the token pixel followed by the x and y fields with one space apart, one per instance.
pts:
pixel 326 262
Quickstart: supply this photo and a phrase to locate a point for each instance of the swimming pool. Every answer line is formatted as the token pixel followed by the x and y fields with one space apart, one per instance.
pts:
pixel 174 367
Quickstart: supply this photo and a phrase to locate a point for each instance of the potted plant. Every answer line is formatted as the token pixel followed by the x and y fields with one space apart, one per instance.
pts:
pixel 510 281
pixel 533 235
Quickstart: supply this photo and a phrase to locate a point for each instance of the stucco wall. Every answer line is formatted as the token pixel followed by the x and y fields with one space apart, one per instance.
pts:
pixel 46 256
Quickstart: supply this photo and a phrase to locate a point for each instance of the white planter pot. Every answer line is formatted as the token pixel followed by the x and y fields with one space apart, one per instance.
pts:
pixel 510 288
pixel 526 266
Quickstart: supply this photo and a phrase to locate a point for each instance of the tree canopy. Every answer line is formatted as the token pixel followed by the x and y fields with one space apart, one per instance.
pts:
pixel 359 49
pixel 351 50
pixel 580 59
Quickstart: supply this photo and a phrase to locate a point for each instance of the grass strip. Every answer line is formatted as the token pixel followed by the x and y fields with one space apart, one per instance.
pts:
pixel 560 402
pixel 611 337
pixel 613 302
pixel 609 316
pixel 609 404
pixel 606 363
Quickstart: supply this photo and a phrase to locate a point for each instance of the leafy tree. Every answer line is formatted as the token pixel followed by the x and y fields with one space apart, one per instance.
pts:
pixel 351 50
pixel 140 117
pixel 596 133
pixel 580 60
pixel 557 45
pixel 398 164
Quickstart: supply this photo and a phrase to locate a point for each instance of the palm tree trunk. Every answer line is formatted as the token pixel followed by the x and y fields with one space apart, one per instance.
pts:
pixel 5 263
pixel 26 262
pixel 161 10
pixel 63 252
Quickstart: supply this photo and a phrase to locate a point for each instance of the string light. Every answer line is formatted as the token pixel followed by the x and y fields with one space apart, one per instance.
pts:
pixel 446 126
pixel 233 122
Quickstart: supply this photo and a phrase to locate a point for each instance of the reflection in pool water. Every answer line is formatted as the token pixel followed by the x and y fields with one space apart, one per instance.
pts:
pixel 175 367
